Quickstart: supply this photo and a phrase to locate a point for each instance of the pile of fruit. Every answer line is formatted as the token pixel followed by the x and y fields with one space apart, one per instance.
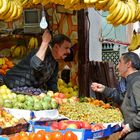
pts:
pixel 84 111
pixel 6 119
pixel 42 135
pixel 69 90
pixel 10 99
pixel 5 65
pixel 64 124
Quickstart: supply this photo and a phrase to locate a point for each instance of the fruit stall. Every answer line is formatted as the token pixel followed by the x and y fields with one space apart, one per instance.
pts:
pixel 28 113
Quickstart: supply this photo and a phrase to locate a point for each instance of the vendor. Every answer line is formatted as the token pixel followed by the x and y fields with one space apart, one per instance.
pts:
pixel 39 68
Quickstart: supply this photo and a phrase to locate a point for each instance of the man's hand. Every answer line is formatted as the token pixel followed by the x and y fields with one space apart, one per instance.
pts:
pixel 126 129
pixel 46 38
pixel 97 87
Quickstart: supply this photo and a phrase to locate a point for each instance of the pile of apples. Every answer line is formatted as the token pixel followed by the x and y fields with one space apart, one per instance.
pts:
pixel 64 124
pixel 61 98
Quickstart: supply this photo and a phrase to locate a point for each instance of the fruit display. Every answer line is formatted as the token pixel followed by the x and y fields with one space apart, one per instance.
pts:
pixel 5 65
pixel 10 99
pixel 84 111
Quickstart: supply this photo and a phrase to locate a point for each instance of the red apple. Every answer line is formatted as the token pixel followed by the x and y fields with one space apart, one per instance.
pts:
pixel 46 124
pixel 61 95
pixel 62 125
pixel 96 127
pixel 55 126
pixel 85 125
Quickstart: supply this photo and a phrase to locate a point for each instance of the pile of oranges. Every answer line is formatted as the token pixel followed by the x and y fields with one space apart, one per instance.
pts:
pixel 42 135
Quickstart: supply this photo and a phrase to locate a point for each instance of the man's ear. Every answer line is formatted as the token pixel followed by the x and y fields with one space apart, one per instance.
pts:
pixel 129 64
pixel 56 46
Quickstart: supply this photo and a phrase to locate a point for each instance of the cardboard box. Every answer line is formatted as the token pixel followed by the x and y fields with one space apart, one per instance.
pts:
pixel 83 134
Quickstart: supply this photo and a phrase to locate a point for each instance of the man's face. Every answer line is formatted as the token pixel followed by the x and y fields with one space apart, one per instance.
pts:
pixel 122 67
pixel 63 50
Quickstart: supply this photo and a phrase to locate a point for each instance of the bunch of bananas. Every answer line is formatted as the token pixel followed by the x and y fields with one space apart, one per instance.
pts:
pixel 135 42
pixel 10 10
pixel 33 43
pixel 18 51
pixel 122 12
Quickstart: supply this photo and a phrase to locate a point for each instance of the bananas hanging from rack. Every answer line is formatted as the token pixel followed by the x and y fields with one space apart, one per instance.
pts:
pixel 135 42
pixel 33 43
pixel 122 12
pixel 18 51
pixel 10 10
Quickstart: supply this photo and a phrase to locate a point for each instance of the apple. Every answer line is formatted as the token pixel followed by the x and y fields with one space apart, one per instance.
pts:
pixel 61 95
pixel 97 127
pixel 85 125
pixel 46 124
pixel 55 126
pixel 62 125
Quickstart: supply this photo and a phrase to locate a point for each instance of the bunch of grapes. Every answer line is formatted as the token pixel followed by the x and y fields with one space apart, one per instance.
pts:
pixel 28 90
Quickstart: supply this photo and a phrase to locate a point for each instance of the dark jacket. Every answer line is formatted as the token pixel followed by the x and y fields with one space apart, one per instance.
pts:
pixel 130 104
pixel 32 72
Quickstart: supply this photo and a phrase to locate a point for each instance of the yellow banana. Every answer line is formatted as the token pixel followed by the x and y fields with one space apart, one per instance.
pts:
pixel 36 1
pixel 138 12
pixel 93 1
pixel 123 17
pixel 14 12
pixel 36 42
pixel 110 2
pixel 102 2
pixel 31 43
pixel 114 13
pixel 86 1
pixel 128 19
pixel 134 42
pixel 4 6
pixel 121 12
pixel 8 14
pixel 2 15
pixel 1 3
pixel 113 6
pixel 132 6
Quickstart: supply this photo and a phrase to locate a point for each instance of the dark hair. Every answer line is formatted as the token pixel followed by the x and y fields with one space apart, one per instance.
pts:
pixel 59 39
pixel 133 57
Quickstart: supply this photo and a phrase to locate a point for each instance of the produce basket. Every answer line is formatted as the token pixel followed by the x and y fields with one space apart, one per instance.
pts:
pixel 14 129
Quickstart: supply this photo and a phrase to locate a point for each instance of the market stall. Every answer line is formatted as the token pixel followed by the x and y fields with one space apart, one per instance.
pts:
pixel 71 109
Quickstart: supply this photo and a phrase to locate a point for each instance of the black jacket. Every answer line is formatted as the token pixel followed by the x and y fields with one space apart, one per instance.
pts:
pixel 32 72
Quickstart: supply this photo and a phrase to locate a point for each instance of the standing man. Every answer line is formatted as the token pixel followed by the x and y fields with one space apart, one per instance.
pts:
pixel 39 68
pixel 128 67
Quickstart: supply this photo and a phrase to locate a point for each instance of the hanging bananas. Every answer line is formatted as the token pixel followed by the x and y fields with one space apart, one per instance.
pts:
pixel 135 42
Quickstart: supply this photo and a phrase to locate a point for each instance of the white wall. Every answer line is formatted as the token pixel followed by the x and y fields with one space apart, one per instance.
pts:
pixel 95 48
